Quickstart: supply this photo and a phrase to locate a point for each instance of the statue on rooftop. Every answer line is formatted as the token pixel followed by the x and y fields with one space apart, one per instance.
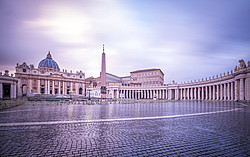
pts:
pixel 235 69
pixel 242 64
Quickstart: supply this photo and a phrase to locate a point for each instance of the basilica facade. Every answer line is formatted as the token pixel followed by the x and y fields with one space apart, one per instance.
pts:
pixel 48 79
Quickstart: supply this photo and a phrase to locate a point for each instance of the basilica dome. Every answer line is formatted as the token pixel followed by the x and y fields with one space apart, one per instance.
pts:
pixel 48 63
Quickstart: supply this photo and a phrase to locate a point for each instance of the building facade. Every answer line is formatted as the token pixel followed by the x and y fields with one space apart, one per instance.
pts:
pixel 7 86
pixel 147 77
pixel 48 79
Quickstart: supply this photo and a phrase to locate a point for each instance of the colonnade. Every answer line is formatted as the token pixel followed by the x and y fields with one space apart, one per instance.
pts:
pixel 230 90
pixel 141 94
pixel 224 91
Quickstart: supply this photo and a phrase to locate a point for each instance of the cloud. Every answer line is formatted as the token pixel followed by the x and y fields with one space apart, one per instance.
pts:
pixel 187 39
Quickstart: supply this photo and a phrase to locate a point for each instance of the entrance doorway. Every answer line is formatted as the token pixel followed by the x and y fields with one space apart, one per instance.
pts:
pixel 24 90
pixel 6 90
pixel 80 91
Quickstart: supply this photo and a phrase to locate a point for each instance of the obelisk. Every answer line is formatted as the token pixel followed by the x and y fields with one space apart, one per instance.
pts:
pixel 103 75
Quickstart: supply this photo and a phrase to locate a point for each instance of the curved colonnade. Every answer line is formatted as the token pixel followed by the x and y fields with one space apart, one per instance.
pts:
pixel 231 86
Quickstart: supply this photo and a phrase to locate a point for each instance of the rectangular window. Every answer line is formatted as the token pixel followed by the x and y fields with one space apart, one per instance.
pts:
pixel 56 83
pixel 24 80
pixel 42 82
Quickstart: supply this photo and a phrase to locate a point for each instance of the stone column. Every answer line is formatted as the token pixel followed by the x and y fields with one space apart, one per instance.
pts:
pixel 167 94
pixel 19 90
pixel 132 92
pixel 38 87
pixel 170 94
pixel 46 87
pixel 63 90
pixel 236 90
pixel 221 92
pixel 14 90
pixel 11 90
pixel 218 92
pixel 242 89
pixel 199 93
pixel 53 87
pixel 225 91
pixel 135 94
pixel 1 90
pixel 30 86
pixel 176 94
pixel 71 87
pixel 232 91
pixel 138 94
pixel 206 88
pixel 210 93
pixel 184 94
pixel 163 93
pixel 181 94
pixel 59 87
pixel 247 89
pixel 188 94
pixel 127 94
pixel 214 92
pixel 195 93
pixel 191 93
pixel 77 89
pixel 150 94
pixel 228 91
pixel 202 93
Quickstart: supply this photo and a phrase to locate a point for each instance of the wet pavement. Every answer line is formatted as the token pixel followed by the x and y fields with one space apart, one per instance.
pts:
pixel 182 128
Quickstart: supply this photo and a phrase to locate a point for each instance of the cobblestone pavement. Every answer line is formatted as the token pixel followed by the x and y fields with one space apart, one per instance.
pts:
pixel 212 134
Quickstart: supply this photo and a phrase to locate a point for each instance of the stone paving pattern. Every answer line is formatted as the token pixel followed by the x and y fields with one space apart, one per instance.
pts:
pixel 220 134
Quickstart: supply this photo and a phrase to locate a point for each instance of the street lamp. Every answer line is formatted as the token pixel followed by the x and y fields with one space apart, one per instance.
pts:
pixel 89 91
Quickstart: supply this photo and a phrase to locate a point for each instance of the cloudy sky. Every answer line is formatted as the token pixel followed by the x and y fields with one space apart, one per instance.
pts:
pixel 187 39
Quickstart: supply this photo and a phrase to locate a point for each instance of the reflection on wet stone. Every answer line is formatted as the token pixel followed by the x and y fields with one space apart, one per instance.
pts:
pixel 216 133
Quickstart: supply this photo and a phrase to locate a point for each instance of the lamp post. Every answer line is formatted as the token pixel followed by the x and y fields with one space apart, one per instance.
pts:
pixel 89 91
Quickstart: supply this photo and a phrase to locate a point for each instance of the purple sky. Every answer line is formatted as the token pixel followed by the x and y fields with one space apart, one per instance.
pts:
pixel 188 40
